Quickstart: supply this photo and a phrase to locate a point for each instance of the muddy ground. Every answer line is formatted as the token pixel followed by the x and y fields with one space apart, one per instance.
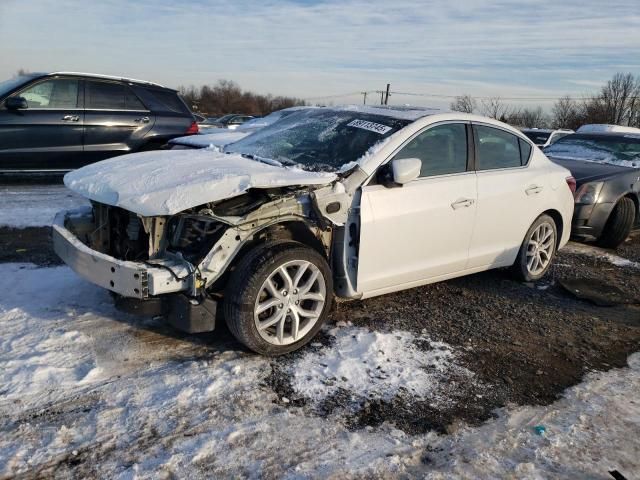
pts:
pixel 528 342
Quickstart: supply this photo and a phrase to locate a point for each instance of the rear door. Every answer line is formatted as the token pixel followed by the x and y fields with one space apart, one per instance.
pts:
pixel 116 121
pixel 48 134
pixel 510 196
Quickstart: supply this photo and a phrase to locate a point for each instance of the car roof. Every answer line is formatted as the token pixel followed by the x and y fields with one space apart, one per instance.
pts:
pixel 107 77
pixel 401 112
pixel 607 135
pixel 603 128
pixel 546 130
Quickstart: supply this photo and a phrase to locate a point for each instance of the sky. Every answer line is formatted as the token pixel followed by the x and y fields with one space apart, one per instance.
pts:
pixel 322 50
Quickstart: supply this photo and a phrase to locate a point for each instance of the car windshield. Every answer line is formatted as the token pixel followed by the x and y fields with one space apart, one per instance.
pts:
pixel 319 139
pixel 617 149
pixel 539 138
pixel 8 85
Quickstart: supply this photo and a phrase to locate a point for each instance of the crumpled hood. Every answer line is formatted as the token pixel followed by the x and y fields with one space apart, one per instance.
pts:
pixel 167 182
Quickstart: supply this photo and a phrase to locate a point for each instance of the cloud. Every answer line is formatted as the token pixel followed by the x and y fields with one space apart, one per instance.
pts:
pixel 311 48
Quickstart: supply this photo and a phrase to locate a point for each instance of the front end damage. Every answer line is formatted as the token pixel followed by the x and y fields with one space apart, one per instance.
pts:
pixel 177 266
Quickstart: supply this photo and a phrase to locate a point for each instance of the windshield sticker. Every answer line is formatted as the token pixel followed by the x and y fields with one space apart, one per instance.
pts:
pixel 371 126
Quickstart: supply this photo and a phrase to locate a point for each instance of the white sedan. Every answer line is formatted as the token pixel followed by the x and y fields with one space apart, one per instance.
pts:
pixel 350 202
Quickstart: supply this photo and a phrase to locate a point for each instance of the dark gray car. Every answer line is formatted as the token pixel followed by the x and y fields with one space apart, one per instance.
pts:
pixel 608 184
pixel 61 121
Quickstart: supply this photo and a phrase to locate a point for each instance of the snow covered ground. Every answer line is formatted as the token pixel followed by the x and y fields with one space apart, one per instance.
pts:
pixel 86 391
pixel 34 205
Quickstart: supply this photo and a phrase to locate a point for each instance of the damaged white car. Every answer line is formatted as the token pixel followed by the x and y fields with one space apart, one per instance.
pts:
pixel 350 202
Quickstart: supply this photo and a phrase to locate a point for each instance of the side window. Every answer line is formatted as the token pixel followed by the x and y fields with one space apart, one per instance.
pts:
pixel 54 94
pixel 105 95
pixel 525 151
pixel 442 150
pixel 131 101
pixel 497 149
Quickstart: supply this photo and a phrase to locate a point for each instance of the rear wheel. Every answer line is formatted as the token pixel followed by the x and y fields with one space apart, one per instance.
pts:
pixel 537 250
pixel 619 224
pixel 278 297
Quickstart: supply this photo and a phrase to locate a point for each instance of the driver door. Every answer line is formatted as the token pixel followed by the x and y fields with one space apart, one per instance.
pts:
pixel 48 134
pixel 420 231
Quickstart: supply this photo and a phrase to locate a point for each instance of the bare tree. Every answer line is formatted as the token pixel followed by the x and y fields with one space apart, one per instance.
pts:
pixel 528 117
pixel 566 113
pixel 493 107
pixel 227 97
pixel 618 97
pixel 464 103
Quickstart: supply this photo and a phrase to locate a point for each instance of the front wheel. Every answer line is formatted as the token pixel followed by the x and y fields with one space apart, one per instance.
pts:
pixel 278 297
pixel 537 250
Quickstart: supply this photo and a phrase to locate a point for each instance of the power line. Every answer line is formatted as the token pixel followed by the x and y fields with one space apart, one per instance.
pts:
pixel 383 94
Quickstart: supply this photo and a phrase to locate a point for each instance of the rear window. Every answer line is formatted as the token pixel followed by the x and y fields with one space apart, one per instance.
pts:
pixel 161 100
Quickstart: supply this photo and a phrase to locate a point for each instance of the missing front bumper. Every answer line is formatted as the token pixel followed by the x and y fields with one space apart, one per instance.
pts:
pixel 129 279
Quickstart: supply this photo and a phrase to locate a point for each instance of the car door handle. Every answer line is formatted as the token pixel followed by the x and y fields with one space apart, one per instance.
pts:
pixel 533 189
pixel 463 202
pixel 143 120
pixel 70 118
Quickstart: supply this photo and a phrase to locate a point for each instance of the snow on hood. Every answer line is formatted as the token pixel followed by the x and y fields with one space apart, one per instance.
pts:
pixel 168 182
pixel 217 139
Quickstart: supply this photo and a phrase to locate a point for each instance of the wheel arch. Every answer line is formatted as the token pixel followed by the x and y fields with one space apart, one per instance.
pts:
pixel 303 231
pixel 557 218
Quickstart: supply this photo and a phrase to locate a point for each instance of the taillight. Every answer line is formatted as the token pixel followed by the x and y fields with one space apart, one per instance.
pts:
pixel 193 129
pixel 572 184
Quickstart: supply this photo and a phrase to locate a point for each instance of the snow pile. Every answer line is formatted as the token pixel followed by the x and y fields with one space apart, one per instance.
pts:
pixel 377 365
pixel 595 428
pixel 590 251
pixel 168 182
pixel 35 205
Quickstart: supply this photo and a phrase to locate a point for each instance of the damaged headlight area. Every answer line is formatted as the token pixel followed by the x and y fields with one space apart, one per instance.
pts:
pixel 193 235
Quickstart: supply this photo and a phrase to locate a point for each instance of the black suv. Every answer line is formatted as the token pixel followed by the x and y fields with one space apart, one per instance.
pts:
pixel 61 121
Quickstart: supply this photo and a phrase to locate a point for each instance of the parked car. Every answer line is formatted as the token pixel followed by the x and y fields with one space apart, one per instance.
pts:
pixel 230 121
pixel 220 138
pixel 544 137
pixel 350 201
pixel 605 166
pixel 61 121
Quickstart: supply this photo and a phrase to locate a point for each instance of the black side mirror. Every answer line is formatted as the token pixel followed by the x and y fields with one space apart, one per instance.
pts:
pixel 16 103
pixel 384 176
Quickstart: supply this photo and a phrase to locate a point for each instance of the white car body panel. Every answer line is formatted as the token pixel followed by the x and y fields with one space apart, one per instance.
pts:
pixel 413 232
pixel 167 182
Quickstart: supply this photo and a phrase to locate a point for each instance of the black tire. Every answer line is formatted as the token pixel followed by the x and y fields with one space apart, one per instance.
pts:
pixel 246 282
pixel 519 268
pixel 619 224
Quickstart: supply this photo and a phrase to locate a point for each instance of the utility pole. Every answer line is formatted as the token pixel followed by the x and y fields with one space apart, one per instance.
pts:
pixel 365 97
pixel 386 98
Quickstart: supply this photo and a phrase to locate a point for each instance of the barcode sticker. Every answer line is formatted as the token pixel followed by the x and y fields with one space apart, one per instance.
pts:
pixel 371 126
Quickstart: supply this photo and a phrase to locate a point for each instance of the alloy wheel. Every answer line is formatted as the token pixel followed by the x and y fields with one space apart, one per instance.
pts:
pixel 290 302
pixel 540 248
